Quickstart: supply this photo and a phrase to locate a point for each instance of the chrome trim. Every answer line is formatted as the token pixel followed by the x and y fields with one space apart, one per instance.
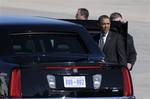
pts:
pixel 130 97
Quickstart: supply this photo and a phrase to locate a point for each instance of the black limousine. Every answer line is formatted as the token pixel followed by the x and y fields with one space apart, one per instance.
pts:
pixel 56 59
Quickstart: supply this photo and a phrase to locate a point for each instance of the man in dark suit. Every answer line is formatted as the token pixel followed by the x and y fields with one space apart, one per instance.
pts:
pixel 110 43
pixel 130 49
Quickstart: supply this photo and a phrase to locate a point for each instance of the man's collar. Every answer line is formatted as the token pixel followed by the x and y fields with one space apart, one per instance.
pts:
pixel 104 34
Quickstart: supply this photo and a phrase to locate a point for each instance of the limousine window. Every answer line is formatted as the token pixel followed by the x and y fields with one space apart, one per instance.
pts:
pixel 47 43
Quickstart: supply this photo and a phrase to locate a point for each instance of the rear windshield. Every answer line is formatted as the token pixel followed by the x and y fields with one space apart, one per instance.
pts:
pixel 47 43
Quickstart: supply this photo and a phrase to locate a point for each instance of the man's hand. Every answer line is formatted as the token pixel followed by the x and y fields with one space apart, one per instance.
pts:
pixel 129 66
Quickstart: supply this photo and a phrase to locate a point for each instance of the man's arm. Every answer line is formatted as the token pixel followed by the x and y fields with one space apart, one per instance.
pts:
pixel 131 51
pixel 121 50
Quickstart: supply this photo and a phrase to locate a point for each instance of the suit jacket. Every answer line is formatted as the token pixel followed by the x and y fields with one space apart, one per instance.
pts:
pixel 131 52
pixel 114 48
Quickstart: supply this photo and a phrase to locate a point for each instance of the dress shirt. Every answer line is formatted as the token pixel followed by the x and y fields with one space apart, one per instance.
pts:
pixel 104 37
pixel 102 40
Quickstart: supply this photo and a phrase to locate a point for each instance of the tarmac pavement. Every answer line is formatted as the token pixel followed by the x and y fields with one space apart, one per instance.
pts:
pixel 137 12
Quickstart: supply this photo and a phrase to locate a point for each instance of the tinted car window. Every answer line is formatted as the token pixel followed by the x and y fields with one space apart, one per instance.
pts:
pixel 48 43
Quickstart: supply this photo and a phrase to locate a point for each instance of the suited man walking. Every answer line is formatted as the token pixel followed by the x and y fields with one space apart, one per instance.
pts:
pixel 110 43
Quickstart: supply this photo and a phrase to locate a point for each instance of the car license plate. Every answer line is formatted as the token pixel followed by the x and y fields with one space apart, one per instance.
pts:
pixel 74 81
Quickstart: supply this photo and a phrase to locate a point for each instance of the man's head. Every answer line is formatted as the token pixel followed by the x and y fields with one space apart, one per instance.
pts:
pixel 104 22
pixel 82 14
pixel 116 16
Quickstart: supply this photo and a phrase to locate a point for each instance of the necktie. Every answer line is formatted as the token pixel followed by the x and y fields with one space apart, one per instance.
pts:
pixel 101 41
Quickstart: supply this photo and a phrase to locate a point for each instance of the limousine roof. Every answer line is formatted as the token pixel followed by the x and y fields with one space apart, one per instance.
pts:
pixel 28 22
pixel 35 20
pixel 18 20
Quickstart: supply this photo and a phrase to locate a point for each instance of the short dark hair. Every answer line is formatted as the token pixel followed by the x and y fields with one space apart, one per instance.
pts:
pixel 103 17
pixel 115 15
pixel 84 12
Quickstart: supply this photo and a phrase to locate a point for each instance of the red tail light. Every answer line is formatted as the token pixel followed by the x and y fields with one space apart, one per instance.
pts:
pixel 15 83
pixel 127 83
